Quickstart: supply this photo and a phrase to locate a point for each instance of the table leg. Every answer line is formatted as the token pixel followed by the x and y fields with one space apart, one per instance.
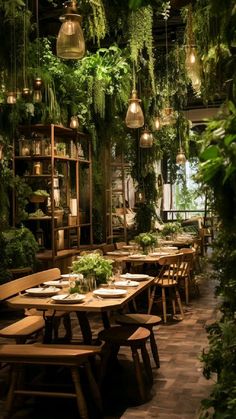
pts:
pixel 48 329
pixel 85 327
pixel 105 320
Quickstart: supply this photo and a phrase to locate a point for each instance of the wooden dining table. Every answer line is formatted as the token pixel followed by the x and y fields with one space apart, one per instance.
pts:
pixel 90 304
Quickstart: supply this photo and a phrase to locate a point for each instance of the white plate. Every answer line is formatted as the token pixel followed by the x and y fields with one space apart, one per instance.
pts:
pixel 110 292
pixel 68 276
pixel 126 284
pixel 118 253
pixel 42 292
pixel 68 298
pixel 137 277
pixel 137 256
pixel 57 283
pixel 169 248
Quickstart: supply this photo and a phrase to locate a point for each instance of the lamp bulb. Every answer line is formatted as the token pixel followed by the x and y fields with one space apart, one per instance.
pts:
pixel 68 27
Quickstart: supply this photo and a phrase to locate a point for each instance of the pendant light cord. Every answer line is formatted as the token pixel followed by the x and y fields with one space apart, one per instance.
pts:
pixel 134 77
pixel 37 33
pixel 24 47
pixel 167 64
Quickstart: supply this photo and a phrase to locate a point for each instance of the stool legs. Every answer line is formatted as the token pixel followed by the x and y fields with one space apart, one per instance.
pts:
pixel 138 372
pixel 81 403
pixel 10 394
pixel 154 349
pixel 93 386
pixel 146 362
pixel 179 302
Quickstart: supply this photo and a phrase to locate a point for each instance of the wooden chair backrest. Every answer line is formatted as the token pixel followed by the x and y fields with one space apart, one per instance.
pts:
pixel 120 245
pixel 170 268
pixel 108 248
pixel 187 262
pixel 21 284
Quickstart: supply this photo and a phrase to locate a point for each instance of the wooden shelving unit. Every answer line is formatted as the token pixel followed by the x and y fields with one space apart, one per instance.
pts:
pixel 116 226
pixel 64 177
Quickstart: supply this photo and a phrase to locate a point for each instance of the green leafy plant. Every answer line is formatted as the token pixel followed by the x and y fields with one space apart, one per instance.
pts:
pixel 146 240
pixel 171 228
pixel 20 247
pixel 93 264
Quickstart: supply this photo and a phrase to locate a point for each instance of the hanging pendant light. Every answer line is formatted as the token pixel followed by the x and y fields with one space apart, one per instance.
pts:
pixel 180 157
pixel 70 40
pixel 134 117
pixel 146 139
pixel 168 116
pixel 74 122
pixel 11 98
pixel 157 123
pixel 37 96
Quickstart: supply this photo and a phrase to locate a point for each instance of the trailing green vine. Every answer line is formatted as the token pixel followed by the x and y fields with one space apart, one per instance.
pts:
pixel 140 29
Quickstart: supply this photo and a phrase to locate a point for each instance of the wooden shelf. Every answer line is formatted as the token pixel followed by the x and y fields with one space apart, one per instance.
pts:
pixel 47 254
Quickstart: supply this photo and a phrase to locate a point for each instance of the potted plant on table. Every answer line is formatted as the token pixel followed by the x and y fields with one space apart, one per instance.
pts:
pixel 93 266
pixel 146 240
pixel 171 229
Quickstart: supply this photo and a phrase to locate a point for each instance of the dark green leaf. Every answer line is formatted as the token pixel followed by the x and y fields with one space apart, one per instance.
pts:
pixel 210 153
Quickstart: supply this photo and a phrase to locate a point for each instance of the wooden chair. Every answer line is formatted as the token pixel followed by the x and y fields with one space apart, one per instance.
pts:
pixel 186 271
pixel 70 356
pixel 34 321
pixel 108 248
pixel 143 320
pixel 168 279
pixel 120 245
pixel 136 339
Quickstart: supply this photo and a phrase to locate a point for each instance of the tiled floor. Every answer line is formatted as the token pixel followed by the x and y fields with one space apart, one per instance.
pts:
pixel 178 385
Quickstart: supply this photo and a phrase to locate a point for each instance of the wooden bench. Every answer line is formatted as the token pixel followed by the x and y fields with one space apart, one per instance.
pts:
pixel 34 320
pixel 71 356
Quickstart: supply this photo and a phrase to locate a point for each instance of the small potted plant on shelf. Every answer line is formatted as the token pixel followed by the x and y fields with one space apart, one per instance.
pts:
pixel 61 149
pixel 38 196
pixel 93 266
pixel 146 241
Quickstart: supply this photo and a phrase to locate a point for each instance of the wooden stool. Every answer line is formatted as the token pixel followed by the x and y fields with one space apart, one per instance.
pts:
pixel 143 320
pixel 71 356
pixel 136 339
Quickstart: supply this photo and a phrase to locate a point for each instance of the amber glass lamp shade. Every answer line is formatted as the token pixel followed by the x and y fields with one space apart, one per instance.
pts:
pixel 38 83
pixel 168 116
pixel 37 96
pixel 134 117
pixel 70 40
pixel 191 58
pixel 74 122
pixel 157 123
pixel 25 92
pixel 11 98
pixel 180 158
pixel 146 139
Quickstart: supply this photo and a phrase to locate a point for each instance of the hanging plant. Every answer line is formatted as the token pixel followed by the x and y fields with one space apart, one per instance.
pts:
pixel 97 22
pixel 140 38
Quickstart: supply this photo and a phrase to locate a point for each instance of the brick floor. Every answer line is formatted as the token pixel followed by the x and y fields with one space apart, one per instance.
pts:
pixel 178 386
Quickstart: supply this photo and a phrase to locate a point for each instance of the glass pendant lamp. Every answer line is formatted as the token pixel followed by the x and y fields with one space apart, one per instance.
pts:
pixel 11 98
pixel 70 40
pixel 157 123
pixel 37 96
pixel 74 122
pixel 134 117
pixel 180 157
pixel 146 139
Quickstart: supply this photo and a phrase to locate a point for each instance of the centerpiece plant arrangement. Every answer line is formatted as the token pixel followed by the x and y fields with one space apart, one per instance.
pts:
pixel 146 241
pixel 170 229
pixel 93 265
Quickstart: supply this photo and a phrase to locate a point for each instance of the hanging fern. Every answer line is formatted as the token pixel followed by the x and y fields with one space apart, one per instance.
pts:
pixel 140 30
pixel 97 22
pixel 99 97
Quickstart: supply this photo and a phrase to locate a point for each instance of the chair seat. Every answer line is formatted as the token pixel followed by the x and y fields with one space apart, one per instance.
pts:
pixel 23 328
pixel 146 320
pixel 167 283
pixel 124 335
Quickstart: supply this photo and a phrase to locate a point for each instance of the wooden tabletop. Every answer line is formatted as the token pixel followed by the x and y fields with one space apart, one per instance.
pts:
pixel 91 303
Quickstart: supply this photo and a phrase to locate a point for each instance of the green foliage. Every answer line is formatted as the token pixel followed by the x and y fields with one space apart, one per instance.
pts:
pixel 20 248
pixel 97 21
pixel 218 167
pixel 140 28
pixel 171 228
pixel 5 275
pixel 93 264
pixel 146 240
